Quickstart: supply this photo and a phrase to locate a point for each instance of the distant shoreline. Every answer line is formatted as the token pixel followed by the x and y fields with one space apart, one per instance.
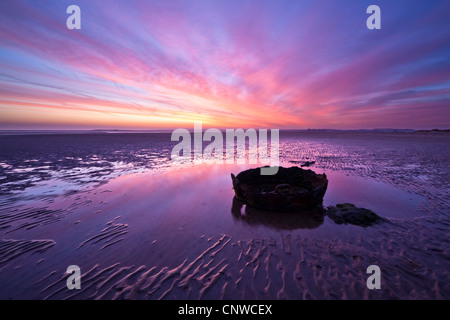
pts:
pixel 118 131
pixel 434 130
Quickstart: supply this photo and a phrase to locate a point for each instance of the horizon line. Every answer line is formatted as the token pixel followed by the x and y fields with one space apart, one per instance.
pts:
pixel 221 129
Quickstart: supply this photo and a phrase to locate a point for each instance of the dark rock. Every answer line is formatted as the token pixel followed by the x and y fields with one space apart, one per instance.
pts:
pixel 305 164
pixel 347 213
pixel 289 190
pixel 308 163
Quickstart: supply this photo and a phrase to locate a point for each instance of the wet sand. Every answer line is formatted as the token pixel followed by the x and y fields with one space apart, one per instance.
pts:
pixel 178 234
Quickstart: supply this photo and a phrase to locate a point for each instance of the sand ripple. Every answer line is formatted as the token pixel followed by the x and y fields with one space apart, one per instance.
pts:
pixel 12 249
pixel 285 268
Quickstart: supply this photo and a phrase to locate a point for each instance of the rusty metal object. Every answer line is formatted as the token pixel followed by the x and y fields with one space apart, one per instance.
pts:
pixel 289 190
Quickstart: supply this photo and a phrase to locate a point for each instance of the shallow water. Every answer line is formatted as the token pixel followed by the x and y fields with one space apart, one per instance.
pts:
pixel 149 231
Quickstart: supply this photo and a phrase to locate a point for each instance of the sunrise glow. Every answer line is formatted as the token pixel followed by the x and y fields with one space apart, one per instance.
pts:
pixel 273 64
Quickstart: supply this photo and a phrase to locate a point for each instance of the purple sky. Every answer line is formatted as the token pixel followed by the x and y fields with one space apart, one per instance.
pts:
pixel 275 64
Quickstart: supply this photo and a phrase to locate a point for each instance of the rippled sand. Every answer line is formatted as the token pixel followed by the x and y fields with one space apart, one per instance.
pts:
pixel 153 231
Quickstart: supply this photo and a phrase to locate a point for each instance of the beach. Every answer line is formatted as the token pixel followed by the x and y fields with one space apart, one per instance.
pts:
pixel 141 227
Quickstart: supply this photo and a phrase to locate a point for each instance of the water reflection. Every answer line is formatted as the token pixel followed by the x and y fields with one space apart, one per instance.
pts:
pixel 310 219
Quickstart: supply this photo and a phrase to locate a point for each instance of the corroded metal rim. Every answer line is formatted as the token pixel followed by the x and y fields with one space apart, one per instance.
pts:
pixel 290 189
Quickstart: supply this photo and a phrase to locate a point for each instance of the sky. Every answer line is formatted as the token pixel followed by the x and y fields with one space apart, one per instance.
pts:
pixel 228 64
